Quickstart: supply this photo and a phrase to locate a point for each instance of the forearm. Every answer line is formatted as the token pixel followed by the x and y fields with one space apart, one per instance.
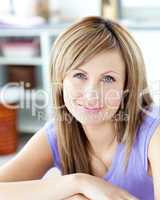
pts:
pixel 57 189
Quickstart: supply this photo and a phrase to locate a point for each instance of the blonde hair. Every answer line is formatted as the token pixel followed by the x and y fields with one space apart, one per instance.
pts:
pixel 82 40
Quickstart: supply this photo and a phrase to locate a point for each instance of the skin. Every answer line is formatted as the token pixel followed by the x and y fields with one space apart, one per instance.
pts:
pixel 97 83
pixel 81 89
pixel 81 186
pixel 91 88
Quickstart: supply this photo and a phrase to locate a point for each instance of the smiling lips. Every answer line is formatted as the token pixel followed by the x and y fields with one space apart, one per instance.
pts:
pixel 91 108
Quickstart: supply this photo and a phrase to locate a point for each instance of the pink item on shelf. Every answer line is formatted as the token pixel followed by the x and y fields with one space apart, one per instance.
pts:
pixel 19 48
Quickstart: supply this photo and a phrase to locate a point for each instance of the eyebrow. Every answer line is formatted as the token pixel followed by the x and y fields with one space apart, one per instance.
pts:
pixel 101 74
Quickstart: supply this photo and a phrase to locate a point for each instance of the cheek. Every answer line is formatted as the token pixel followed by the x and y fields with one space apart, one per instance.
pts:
pixel 71 91
pixel 113 98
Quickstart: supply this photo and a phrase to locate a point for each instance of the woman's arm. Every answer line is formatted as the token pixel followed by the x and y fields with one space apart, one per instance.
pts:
pixel 19 176
pixel 88 187
pixel 52 173
pixel 58 188
pixel 95 188
pixel 31 163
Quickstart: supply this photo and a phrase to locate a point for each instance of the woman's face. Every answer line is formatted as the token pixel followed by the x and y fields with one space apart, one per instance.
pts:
pixel 93 92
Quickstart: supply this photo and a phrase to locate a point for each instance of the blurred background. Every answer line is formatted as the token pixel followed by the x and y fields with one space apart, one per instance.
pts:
pixel 28 29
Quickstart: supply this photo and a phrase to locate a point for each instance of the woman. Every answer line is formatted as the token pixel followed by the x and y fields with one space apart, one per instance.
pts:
pixel 105 136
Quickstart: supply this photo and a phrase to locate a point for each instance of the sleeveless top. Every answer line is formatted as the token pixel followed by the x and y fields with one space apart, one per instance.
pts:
pixel 136 179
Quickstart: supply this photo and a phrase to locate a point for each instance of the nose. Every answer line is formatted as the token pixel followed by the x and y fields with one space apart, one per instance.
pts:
pixel 91 97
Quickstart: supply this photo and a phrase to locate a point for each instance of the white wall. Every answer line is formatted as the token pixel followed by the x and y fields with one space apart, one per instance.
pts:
pixel 78 8
pixel 149 42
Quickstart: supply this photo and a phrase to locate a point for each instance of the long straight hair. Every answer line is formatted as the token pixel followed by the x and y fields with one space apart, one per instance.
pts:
pixel 78 43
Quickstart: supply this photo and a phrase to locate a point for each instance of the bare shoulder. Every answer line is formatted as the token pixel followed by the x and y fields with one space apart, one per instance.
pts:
pixel 31 162
pixel 154 144
pixel 153 156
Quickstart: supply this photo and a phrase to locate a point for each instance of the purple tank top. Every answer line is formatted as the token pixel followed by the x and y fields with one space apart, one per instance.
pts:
pixel 136 180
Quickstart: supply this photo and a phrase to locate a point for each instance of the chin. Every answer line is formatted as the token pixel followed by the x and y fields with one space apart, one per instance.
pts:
pixel 91 120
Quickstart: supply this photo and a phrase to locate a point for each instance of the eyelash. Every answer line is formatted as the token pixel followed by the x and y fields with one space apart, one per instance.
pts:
pixel 112 79
pixel 79 75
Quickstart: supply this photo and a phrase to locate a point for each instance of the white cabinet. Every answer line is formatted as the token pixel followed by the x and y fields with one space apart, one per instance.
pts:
pixel 35 104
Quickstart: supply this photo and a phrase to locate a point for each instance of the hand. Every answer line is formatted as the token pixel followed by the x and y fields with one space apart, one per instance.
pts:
pixel 77 197
pixel 96 188
pixel 52 173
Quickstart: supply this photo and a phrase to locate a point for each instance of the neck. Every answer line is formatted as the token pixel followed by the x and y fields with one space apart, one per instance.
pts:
pixel 101 136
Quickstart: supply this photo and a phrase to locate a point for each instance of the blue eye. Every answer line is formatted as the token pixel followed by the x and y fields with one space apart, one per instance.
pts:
pixel 109 79
pixel 79 75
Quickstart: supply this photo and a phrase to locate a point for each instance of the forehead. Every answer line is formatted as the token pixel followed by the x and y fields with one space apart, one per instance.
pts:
pixel 110 60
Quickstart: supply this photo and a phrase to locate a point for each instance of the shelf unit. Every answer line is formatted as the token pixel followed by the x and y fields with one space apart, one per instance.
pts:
pixel 20 61
pixel 29 119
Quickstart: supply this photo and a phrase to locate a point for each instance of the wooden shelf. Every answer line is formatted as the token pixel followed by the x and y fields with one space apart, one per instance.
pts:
pixel 45 35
